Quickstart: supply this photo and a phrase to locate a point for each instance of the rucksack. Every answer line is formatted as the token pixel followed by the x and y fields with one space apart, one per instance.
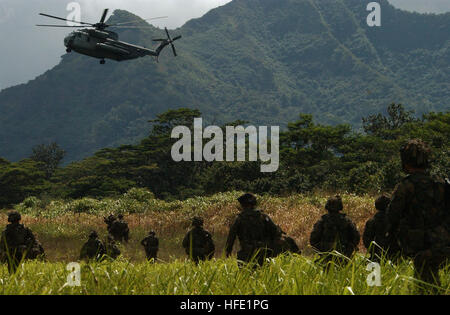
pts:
pixel 335 233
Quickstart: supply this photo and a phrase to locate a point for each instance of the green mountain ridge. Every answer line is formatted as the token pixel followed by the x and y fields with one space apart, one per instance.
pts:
pixel 264 61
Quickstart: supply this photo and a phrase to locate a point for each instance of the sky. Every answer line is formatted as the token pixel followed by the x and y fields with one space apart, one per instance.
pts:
pixel 28 51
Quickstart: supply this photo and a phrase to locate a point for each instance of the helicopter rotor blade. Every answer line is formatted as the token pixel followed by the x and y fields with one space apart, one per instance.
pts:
pixel 168 35
pixel 105 12
pixel 60 25
pixel 176 38
pixel 174 50
pixel 136 21
pixel 58 18
pixel 159 40
pixel 139 27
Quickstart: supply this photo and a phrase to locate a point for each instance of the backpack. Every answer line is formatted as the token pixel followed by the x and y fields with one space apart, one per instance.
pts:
pixel 335 234
pixel 422 225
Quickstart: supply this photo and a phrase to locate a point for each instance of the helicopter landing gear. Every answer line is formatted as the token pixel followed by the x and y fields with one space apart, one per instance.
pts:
pixel 102 62
pixel 68 50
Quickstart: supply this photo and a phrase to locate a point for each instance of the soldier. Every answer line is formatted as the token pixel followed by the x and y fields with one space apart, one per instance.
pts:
pixel 198 242
pixel 151 245
pixel 93 248
pixel 418 214
pixel 376 230
pixel 109 221
pixel 119 229
pixel 18 243
pixel 334 231
pixel 255 230
pixel 111 248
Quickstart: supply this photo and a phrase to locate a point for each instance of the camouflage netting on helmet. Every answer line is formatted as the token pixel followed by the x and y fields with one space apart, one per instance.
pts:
pixel 415 153
pixel 334 204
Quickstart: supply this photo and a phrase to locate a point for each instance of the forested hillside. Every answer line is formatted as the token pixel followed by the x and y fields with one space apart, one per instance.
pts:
pixel 263 61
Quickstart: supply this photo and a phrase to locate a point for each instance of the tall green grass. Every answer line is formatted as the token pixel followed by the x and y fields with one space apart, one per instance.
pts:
pixel 285 275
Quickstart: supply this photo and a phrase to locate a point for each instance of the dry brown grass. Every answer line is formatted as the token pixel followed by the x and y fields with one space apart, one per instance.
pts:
pixel 63 236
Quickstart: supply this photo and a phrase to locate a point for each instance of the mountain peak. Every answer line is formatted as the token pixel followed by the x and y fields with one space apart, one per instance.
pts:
pixel 263 61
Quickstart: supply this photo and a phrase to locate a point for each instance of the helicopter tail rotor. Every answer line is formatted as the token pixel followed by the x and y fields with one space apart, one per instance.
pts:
pixel 167 41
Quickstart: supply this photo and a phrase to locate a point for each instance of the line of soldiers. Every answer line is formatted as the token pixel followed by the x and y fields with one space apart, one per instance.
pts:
pixel 118 231
pixel 414 224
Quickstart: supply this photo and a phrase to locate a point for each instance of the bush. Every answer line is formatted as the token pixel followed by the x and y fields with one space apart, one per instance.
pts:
pixel 85 205
pixel 139 194
pixel 32 202
pixel 365 178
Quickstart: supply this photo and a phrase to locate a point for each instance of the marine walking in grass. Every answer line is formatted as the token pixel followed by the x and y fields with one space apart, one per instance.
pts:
pixel 119 229
pixel 334 232
pixel 198 243
pixel 111 248
pixel 418 214
pixel 93 249
pixel 18 243
pixel 151 246
pixel 255 230
pixel 375 237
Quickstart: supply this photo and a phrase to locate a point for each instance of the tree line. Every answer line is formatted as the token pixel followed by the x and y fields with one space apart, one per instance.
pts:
pixel 312 157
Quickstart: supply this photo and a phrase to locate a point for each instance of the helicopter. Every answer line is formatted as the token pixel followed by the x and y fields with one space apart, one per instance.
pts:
pixel 96 41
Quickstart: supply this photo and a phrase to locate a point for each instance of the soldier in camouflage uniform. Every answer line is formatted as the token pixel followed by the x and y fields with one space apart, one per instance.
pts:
pixel 111 248
pixel 93 249
pixel 418 214
pixel 18 243
pixel 198 242
pixel 119 229
pixel 109 220
pixel 255 230
pixel 334 231
pixel 151 246
pixel 376 231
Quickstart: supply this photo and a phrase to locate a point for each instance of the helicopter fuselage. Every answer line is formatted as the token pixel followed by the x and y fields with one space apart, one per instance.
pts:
pixel 104 44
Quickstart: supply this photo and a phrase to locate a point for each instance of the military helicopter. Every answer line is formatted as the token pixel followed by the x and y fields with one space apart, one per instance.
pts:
pixel 95 41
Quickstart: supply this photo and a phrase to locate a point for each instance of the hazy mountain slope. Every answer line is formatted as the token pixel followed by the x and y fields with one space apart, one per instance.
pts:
pixel 260 60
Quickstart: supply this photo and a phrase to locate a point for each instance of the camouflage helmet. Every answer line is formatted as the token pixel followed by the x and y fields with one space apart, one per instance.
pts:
pixel 415 153
pixel 197 221
pixel 120 216
pixel 152 233
pixel 14 216
pixel 382 202
pixel 247 200
pixel 334 204
pixel 93 234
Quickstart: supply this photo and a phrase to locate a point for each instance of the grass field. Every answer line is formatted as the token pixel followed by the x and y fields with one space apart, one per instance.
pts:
pixel 62 227
pixel 285 275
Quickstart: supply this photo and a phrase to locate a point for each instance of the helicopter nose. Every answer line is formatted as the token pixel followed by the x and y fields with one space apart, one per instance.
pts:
pixel 67 40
